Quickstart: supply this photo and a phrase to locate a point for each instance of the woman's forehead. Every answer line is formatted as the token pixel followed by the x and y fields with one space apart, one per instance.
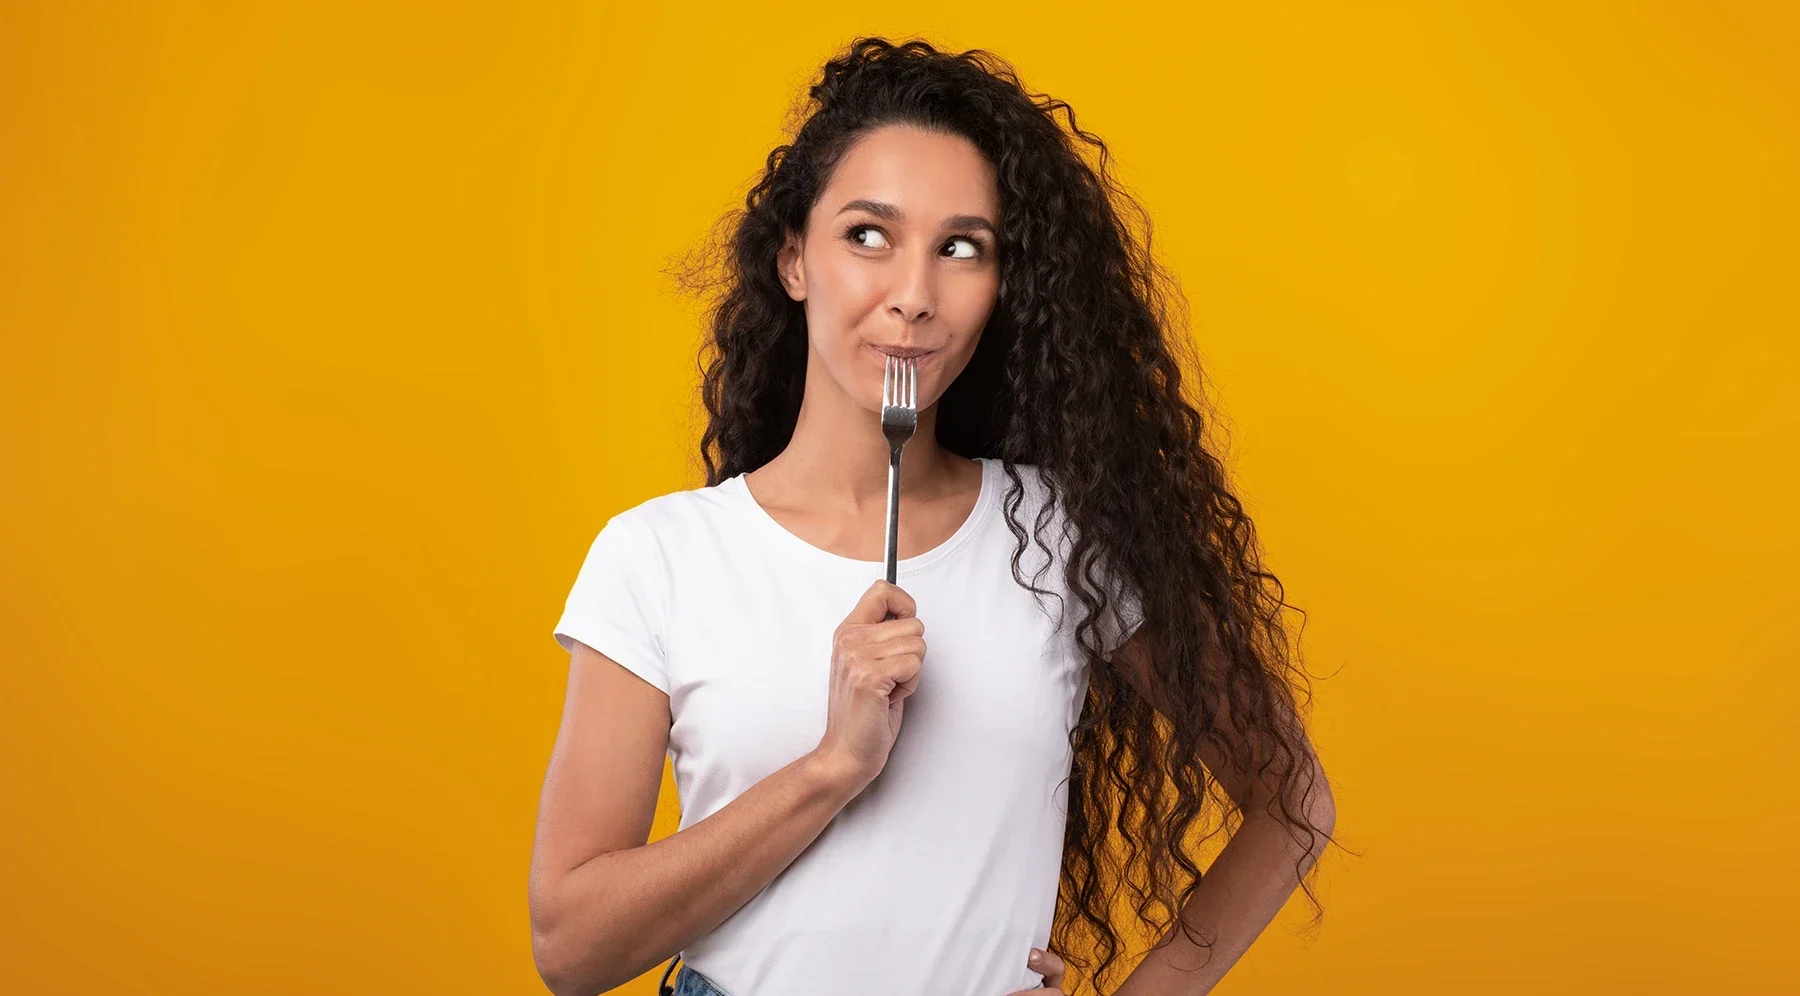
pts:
pixel 915 176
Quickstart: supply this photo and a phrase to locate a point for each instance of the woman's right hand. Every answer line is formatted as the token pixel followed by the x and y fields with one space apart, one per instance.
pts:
pixel 875 663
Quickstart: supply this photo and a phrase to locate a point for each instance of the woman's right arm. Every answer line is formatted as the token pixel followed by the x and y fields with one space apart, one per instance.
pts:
pixel 605 905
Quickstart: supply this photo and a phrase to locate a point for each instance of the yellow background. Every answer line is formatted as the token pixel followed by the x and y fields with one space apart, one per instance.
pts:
pixel 332 335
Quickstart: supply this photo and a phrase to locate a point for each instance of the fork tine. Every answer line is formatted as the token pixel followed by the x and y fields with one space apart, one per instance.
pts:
pixel 912 383
pixel 887 380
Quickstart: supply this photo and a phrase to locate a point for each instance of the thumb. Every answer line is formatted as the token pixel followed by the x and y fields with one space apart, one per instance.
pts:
pixel 883 601
pixel 1049 965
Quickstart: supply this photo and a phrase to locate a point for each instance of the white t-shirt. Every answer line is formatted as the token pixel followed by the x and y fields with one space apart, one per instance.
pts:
pixel 943 874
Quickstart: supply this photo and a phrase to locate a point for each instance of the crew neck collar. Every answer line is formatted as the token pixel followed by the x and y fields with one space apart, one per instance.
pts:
pixel 984 502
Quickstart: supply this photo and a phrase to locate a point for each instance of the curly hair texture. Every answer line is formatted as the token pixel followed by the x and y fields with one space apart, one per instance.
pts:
pixel 1079 371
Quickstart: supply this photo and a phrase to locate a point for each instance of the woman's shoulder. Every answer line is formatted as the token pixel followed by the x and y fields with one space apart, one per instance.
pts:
pixel 675 513
pixel 1035 484
pixel 1030 475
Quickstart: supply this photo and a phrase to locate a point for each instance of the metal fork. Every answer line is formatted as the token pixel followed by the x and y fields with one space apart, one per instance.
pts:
pixel 899 417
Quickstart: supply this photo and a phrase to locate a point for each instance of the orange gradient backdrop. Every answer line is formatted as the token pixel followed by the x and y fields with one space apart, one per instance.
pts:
pixel 333 334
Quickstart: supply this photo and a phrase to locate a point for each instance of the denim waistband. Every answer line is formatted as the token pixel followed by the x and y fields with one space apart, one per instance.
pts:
pixel 688 982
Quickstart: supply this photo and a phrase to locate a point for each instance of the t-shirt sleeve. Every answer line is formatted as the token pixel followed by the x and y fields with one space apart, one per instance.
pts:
pixel 1122 617
pixel 1125 611
pixel 617 604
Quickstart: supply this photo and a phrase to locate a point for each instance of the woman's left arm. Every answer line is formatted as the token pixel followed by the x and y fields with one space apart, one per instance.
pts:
pixel 1236 899
pixel 1246 885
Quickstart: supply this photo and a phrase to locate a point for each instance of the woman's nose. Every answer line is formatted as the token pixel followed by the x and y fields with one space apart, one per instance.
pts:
pixel 913 294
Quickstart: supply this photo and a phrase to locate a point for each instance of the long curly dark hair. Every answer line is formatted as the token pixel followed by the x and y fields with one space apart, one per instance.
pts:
pixel 1079 370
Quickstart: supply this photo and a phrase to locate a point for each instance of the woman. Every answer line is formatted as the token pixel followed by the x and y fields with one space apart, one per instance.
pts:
pixel 862 814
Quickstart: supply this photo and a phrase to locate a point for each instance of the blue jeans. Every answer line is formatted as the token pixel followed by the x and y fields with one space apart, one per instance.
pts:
pixel 688 983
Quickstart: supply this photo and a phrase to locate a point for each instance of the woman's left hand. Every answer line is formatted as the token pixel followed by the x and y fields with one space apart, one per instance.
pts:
pixel 1051 967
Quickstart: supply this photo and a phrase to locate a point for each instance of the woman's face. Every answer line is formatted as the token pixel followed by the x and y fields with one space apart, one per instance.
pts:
pixel 899 253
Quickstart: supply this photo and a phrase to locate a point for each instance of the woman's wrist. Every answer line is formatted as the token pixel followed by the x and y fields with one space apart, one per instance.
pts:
pixel 834 773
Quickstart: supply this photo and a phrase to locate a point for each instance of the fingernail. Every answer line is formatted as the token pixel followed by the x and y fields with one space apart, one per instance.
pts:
pixel 1036 956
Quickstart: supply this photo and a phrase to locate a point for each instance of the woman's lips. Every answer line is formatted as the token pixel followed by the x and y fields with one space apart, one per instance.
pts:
pixel 902 352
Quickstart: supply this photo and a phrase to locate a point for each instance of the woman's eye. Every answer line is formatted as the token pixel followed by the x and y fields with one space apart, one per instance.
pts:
pixel 860 235
pixel 868 230
pixel 974 247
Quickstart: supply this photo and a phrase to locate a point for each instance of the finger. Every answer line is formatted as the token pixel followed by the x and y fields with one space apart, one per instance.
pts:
pixel 894 598
pixel 899 646
pixel 1048 964
pixel 904 672
pixel 872 607
pixel 904 688
pixel 891 628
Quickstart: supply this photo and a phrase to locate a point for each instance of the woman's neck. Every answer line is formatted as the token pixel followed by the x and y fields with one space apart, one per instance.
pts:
pixel 839 457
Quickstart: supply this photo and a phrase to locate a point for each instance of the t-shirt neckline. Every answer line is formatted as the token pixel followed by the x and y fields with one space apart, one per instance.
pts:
pixel 779 533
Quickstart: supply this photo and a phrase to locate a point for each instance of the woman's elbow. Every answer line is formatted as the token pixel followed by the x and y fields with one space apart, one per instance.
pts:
pixel 554 965
pixel 569 957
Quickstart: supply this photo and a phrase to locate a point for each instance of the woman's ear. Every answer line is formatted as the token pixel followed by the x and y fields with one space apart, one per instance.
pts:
pixel 788 268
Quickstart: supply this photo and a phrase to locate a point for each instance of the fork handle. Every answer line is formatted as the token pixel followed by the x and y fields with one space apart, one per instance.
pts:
pixel 893 516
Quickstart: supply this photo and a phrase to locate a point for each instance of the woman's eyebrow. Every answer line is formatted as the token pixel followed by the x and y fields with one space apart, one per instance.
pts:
pixel 882 209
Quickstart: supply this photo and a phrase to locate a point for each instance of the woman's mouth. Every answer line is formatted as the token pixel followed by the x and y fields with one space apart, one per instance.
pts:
pixel 902 352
